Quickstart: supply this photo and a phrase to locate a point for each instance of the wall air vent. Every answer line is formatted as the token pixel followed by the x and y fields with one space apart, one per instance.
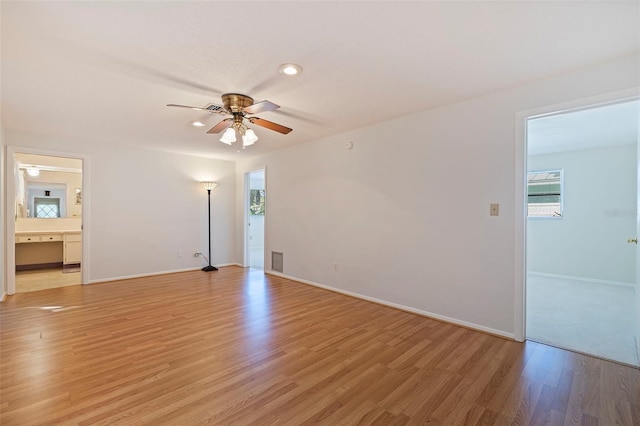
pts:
pixel 276 261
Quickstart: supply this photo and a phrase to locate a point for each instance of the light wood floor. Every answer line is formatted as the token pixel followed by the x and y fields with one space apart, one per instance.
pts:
pixel 236 347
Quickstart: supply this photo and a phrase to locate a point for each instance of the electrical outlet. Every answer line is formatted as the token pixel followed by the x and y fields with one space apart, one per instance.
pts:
pixel 494 209
pixel 335 267
pixel 179 253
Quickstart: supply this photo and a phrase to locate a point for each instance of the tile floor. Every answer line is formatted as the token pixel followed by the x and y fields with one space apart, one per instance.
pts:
pixel 45 278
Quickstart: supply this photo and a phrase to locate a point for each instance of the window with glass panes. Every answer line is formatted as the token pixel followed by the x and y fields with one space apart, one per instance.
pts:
pixel 47 207
pixel 544 194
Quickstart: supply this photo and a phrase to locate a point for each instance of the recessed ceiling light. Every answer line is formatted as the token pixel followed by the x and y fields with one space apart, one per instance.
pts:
pixel 198 124
pixel 290 69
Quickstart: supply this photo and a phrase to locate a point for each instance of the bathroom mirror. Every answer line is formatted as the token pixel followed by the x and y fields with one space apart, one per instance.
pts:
pixel 46 200
pixel 48 187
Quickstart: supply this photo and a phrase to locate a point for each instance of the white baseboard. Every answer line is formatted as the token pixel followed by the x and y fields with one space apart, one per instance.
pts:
pixel 399 307
pixel 590 280
pixel 151 274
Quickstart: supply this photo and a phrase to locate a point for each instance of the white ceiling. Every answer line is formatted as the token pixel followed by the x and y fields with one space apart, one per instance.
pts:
pixel 602 126
pixel 102 72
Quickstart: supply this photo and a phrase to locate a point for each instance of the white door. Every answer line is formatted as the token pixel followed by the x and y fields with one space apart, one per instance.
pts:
pixel 256 211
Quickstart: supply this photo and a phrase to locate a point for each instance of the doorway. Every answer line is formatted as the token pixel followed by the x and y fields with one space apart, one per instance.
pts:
pixel 582 288
pixel 46 196
pixel 256 212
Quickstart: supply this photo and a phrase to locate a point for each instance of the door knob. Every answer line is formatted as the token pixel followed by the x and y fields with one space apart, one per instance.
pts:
pixel 633 240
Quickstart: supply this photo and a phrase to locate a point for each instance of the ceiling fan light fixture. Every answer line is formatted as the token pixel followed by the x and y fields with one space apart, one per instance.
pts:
pixel 239 127
pixel 249 138
pixel 229 136
pixel 290 69
pixel 198 124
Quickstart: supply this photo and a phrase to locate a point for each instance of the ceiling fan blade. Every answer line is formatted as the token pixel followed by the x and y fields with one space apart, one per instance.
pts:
pixel 186 106
pixel 260 107
pixel 221 126
pixel 270 125
pixel 212 108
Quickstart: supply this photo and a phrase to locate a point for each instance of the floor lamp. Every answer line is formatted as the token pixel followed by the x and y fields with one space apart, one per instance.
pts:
pixel 209 186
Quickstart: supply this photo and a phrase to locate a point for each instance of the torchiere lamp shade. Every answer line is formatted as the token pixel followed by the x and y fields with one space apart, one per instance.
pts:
pixel 209 185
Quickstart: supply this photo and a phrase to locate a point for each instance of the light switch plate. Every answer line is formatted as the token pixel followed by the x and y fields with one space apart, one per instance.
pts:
pixel 494 209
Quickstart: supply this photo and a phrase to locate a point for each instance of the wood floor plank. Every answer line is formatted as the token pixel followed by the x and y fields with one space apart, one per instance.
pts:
pixel 237 347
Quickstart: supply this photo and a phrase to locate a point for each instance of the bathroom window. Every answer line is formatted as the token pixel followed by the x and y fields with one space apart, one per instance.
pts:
pixel 47 207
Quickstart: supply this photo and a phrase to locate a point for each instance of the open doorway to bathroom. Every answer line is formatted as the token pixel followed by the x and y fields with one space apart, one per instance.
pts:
pixel 581 253
pixel 48 221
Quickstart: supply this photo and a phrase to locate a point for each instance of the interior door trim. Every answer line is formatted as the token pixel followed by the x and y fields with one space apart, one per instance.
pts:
pixel 10 253
pixel 520 179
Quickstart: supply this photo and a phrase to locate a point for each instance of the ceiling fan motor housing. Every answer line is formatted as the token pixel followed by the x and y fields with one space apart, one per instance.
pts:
pixel 235 102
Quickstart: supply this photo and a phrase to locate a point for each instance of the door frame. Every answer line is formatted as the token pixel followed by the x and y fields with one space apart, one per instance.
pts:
pixel 10 248
pixel 246 258
pixel 520 207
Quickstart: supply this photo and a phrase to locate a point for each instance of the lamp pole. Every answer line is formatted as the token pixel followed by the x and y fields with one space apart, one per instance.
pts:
pixel 209 186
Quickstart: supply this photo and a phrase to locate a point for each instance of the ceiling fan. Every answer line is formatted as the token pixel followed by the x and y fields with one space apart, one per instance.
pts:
pixel 239 107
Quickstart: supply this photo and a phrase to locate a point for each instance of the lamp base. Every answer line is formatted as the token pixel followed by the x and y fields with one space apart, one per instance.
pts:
pixel 209 268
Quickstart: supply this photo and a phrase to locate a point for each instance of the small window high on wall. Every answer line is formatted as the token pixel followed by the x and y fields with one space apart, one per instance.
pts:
pixel 544 195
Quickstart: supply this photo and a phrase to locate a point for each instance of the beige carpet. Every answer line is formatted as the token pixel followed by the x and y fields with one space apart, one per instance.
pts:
pixel 587 317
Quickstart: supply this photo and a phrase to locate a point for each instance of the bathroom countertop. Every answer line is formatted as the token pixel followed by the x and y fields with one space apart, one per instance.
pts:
pixel 58 231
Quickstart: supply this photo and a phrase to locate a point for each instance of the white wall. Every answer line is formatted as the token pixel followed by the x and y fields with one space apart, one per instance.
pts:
pixel 146 206
pixel 405 213
pixel 599 215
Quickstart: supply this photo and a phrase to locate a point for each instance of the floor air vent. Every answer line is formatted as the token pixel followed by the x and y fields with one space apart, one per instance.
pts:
pixel 276 261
